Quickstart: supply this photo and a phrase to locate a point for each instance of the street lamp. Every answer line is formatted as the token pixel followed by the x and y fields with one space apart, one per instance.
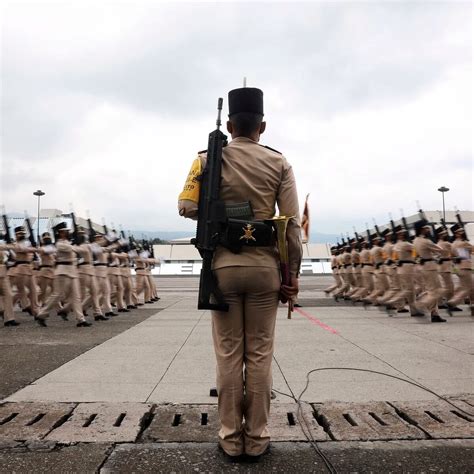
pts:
pixel 442 190
pixel 38 193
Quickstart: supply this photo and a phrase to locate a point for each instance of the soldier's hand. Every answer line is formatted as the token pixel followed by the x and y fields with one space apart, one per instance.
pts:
pixel 288 292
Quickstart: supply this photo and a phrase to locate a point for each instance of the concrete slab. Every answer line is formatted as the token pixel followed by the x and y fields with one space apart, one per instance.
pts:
pixel 31 421
pixel 182 423
pixel 99 422
pixel 362 422
pixel 90 392
pixel 439 419
pixel 289 422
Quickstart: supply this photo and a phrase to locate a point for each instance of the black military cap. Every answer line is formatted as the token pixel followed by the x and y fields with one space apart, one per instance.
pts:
pixel 386 232
pixel 375 236
pixel 418 225
pixel 399 228
pixel 61 226
pixel 45 234
pixel 456 228
pixel 20 230
pixel 246 99
pixel 441 230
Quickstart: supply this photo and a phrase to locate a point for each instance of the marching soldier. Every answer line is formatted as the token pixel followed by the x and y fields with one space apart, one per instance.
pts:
pixel 24 276
pixel 6 294
pixel 405 270
pixel 380 278
pixel 100 253
pixel 463 250
pixel 66 284
pixel 335 272
pixel 427 251
pixel 47 252
pixel 87 281
pixel 142 281
pixel 446 266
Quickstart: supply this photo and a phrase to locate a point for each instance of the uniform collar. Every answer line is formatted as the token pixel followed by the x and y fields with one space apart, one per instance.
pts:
pixel 243 140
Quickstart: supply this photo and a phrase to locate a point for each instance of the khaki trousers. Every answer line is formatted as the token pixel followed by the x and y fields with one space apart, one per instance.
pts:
pixel 7 299
pixel 66 288
pixel 433 291
pixel 465 288
pixel 337 283
pixel 243 344
pixel 448 284
pixel 116 290
pixel 142 284
pixel 89 293
pixel 27 292
pixel 104 293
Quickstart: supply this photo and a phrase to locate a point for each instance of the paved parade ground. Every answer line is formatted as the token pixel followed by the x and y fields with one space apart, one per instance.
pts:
pixel 132 394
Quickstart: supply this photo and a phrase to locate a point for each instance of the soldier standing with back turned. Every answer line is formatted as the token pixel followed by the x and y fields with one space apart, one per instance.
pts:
pixel 249 279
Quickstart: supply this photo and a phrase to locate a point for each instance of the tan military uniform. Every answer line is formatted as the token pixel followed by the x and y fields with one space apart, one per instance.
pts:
pixel 142 282
pixel 427 251
pixel 380 278
pixel 405 270
pixel 250 283
pixel 335 273
pixel 46 271
pixel 115 280
pixel 463 250
pixel 87 280
pixel 446 268
pixel 24 276
pixel 6 293
pixel 66 283
pixel 100 269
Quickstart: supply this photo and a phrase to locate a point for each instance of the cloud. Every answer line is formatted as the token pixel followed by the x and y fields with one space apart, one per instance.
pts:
pixel 105 105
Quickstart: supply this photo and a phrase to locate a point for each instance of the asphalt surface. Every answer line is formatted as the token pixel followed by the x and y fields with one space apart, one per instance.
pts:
pixel 29 351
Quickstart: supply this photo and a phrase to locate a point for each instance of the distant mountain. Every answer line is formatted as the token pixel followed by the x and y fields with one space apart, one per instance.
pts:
pixel 316 237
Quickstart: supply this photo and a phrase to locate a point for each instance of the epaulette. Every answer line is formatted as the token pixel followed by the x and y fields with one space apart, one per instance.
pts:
pixel 272 149
pixel 203 151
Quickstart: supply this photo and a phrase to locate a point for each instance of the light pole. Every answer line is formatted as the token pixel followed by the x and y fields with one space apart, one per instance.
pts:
pixel 38 193
pixel 442 190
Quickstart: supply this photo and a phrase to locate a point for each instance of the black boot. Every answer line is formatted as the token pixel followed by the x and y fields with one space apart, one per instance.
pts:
pixel 436 318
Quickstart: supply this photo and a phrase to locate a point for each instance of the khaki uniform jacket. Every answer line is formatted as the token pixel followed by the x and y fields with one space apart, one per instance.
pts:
pixel 404 251
pixel 447 252
pixel 462 248
pixel 66 254
pixel 425 248
pixel 23 254
pixel 86 267
pixel 251 172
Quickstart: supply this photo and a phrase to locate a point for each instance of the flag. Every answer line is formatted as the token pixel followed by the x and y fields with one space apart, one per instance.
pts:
pixel 305 222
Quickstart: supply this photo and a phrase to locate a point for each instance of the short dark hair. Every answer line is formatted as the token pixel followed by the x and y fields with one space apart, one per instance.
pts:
pixel 246 123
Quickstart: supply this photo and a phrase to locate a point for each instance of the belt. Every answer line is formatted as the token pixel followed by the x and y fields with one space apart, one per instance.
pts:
pixel 112 266
pixel 83 263
pixel 347 265
pixel 140 268
pixel 441 260
pixel 64 263
pixel 46 266
pixel 378 265
pixel 100 264
pixel 355 265
pixel 20 262
pixel 367 265
pixel 401 262
pixel 424 260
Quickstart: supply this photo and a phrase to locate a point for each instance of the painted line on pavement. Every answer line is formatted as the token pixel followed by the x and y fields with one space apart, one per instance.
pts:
pixel 316 321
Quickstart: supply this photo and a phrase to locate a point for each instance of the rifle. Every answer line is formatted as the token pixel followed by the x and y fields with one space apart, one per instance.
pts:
pixel 377 230
pixel 405 224
pixel 31 236
pixel 211 218
pixel 369 237
pixel 461 223
pixel 422 215
pixel 92 232
pixel 75 239
pixel 6 227
pixel 392 225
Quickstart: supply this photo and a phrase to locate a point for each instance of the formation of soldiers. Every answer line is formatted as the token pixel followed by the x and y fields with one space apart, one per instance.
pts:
pixel 80 271
pixel 406 269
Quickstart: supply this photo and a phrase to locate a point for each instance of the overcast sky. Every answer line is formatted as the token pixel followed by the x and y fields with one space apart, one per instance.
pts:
pixel 105 104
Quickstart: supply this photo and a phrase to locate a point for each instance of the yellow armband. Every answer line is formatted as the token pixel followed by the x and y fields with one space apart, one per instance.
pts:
pixel 192 186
